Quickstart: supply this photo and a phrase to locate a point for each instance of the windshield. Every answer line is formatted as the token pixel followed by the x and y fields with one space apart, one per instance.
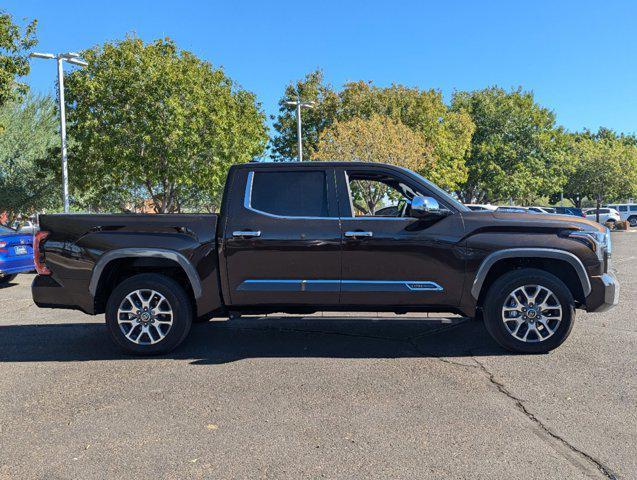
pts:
pixel 4 229
pixel 439 191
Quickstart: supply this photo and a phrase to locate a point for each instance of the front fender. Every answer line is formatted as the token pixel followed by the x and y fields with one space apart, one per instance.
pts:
pixel 550 253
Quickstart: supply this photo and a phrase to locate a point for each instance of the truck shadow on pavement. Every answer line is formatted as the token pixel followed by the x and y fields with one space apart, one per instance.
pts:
pixel 220 342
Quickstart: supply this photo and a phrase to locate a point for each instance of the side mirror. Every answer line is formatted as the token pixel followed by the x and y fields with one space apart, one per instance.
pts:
pixel 424 206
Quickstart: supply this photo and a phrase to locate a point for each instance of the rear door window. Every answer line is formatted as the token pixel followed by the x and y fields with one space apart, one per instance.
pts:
pixel 289 194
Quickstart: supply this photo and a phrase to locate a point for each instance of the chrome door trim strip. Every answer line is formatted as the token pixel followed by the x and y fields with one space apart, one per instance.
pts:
pixel 350 286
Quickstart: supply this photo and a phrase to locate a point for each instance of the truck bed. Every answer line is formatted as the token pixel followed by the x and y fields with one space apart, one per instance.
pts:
pixel 80 250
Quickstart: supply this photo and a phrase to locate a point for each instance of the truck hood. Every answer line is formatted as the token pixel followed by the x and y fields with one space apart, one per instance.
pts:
pixel 531 221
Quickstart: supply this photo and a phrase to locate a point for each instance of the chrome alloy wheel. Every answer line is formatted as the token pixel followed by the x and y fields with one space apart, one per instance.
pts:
pixel 145 317
pixel 532 313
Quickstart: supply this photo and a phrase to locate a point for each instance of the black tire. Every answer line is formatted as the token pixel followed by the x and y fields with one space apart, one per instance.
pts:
pixel 632 221
pixel 498 294
pixel 6 279
pixel 178 301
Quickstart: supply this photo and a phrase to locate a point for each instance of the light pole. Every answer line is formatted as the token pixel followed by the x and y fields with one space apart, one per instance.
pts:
pixel 74 59
pixel 299 105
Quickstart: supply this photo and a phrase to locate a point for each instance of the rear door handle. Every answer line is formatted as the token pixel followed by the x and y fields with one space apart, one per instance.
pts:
pixel 246 233
pixel 358 234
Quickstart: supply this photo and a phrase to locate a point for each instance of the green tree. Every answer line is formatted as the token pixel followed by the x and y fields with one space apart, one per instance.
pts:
pixel 605 168
pixel 14 63
pixel 378 139
pixel 517 151
pixel 315 120
pixel 30 133
pixel 446 133
pixel 153 118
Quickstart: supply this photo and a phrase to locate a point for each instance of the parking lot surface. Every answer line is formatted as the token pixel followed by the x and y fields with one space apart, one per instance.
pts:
pixel 324 396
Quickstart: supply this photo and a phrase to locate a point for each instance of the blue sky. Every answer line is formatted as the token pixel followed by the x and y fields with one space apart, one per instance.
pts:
pixel 579 57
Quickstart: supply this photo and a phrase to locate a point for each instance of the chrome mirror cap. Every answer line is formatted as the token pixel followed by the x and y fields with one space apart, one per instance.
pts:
pixel 424 205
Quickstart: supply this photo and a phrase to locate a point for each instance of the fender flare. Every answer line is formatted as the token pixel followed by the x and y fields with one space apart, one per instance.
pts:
pixel 108 257
pixel 551 253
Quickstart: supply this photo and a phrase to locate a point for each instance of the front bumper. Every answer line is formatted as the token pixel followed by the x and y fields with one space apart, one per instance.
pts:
pixel 604 293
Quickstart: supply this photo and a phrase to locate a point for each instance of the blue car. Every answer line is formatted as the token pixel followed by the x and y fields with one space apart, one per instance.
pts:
pixel 16 254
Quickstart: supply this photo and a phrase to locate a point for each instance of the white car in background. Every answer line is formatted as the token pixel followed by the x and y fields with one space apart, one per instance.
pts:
pixel 605 215
pixel 27 227
pixel 515 209
pixel 480 207
pixel 627 211
pixel 542 209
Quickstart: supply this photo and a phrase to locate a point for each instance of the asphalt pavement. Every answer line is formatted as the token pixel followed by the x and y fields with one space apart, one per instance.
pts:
pixel 325 396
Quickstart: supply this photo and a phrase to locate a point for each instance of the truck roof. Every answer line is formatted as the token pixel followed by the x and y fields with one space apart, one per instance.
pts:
pixel 296 163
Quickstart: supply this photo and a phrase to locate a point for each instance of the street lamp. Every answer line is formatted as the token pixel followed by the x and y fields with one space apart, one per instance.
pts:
pixel 73 58
pixel 299 105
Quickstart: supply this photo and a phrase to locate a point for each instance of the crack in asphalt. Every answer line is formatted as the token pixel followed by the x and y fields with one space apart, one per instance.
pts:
pixel 606 471
pixel 520 405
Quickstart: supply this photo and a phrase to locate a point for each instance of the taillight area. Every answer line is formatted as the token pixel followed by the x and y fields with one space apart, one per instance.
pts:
pixel 40 266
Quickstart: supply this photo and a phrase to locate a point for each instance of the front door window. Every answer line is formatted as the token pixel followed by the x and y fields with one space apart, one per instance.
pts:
pixel 378 195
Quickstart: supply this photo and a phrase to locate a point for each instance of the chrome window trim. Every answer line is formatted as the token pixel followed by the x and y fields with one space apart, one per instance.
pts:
pixel 247 204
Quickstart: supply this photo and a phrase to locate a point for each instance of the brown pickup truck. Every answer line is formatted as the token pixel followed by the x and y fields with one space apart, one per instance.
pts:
pixel 337 236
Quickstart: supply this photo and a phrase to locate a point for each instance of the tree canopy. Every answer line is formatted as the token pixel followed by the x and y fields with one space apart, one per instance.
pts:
pixel 517 150
pixel 604 167
pixel 153 118
pixel 149 122
pixel 378 139
pixel 14 63
pixel 30 133
pixel 446 133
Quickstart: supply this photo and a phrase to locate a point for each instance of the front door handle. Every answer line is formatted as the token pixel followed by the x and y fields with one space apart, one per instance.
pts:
pixel 246 233
pixel 359 234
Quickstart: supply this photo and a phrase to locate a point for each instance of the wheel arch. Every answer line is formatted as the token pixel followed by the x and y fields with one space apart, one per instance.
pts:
pixel 564 265
pixel 116 265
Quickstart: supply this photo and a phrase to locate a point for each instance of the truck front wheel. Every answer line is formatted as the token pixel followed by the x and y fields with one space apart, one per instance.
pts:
pixel 148 314
pixel 529 311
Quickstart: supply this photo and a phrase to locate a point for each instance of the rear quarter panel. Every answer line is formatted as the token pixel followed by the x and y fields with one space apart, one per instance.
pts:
pixel 77 242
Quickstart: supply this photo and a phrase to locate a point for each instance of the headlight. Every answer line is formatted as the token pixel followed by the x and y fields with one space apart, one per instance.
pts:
pixel 599 241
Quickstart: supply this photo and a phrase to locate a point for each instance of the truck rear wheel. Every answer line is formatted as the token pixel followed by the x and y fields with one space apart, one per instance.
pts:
pixel 529 311
pixel 148 314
